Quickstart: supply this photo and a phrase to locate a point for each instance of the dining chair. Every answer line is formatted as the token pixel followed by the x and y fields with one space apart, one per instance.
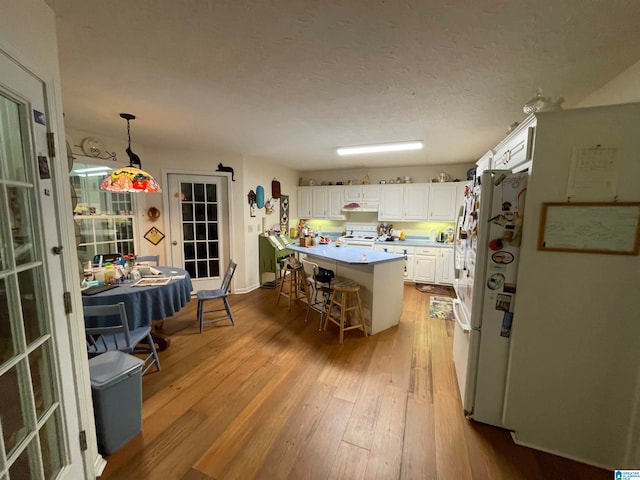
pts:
pixel 149 258
pixel 118 336
pixel 217 294
pixel 320 285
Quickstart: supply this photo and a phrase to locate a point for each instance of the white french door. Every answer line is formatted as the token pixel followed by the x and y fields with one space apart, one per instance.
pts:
pixel 39 433
pixel 199 233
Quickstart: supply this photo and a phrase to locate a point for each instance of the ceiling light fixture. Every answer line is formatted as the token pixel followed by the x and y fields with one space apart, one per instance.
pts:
pixel 382 147
pixel 130 179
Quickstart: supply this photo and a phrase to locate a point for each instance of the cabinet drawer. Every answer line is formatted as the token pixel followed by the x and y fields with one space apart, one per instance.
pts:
pixel 402 249
pixel 426 250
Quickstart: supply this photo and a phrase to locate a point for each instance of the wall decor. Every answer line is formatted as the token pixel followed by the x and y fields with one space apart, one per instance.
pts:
pixel 590 227
pixel 284 213
pixel 275 188
pixel 222 168
pixel 154 235
pixel 153 214
pixel 251 198
pixel 260 196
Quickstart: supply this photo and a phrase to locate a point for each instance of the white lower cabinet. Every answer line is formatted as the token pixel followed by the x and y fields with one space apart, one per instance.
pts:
pixel 444 266
pixel 424 266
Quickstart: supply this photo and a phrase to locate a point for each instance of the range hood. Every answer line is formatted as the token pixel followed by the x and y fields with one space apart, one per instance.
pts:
pixel 361 207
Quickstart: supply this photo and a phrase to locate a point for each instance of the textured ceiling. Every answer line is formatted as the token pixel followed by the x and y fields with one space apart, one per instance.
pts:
pixel 292 80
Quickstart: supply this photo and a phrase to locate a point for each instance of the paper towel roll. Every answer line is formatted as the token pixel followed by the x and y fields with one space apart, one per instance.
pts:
pixel 264 224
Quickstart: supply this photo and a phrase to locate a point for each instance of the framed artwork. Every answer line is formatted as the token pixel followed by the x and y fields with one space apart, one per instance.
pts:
pixel 284 214
pixel 590 227
pixel 154 235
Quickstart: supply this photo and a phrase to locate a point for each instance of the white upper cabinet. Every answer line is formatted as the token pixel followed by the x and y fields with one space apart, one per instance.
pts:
pixel 305 201
pixel 517 148
pixel 416 202
pixel 361 193
pixel 443 199
pixel 335 201
pixel 320 202
pixel 391 197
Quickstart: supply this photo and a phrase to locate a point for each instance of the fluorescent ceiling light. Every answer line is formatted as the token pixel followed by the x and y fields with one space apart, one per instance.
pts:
pixel 97 174
pixel 383 147
pixel 93 169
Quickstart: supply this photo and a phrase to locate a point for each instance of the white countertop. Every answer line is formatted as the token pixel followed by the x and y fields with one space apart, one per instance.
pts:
pixel 348 254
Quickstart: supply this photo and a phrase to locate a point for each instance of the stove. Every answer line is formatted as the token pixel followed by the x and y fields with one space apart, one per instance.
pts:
pixel 363 236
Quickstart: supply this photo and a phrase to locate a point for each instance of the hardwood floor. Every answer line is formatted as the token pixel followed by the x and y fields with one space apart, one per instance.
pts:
pixel 273 398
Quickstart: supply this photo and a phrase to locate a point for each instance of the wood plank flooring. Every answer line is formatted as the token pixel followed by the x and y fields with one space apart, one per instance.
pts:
pixel 274 398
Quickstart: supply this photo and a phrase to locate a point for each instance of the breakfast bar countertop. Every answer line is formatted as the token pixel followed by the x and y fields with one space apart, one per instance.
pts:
pixel 348 254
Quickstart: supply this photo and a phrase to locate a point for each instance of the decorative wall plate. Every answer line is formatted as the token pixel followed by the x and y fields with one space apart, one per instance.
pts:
pixel 92 147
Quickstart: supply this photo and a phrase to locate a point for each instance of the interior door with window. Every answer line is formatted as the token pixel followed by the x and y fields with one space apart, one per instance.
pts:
pixel 38 412
pixel 199 218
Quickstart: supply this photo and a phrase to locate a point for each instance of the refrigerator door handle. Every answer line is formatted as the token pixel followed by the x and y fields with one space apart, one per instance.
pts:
pixel 462 324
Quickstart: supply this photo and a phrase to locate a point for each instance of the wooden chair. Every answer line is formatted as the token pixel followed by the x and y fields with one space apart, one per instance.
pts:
pixel 218 294
pixel 339 308
pixel 118 335
pixel 149 258
pixel 320 289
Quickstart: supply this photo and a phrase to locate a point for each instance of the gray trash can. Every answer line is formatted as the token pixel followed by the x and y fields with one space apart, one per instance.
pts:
pixel 116 388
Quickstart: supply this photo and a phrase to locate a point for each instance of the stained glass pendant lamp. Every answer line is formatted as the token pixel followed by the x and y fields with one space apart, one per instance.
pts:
pixel 131 178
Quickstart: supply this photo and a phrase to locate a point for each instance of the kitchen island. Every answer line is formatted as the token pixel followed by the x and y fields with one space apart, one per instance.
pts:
pixel 379 274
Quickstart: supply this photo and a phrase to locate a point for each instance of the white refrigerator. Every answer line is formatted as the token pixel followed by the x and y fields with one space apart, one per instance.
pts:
pixel 487 248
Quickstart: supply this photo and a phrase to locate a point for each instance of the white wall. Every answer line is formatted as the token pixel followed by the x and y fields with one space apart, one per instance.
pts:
pixel 418 174
pixel 624 88
pixel 261 172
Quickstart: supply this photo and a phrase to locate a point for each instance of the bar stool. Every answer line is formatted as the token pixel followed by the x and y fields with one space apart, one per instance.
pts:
pixel 297 284
pixel 346 290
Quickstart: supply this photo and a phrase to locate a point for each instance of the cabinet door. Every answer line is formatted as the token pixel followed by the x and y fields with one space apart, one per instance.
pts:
pixel 319 202
pixel 442 202
pixel 444 266
pixel 335 202
pixel 304 202
pixel 370 193
pixel 352 193
pixel 408 269
pixel 424 268
pixel 416 202
pixel 390 202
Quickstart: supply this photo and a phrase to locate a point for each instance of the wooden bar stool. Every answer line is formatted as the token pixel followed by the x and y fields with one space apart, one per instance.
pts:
pixel 346 290
pixel 297 285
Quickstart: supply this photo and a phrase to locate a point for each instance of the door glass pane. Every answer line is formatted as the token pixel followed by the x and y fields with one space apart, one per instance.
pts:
pixel 11 146
pixel 212 190
pixel 22 467
pixel 198 192
pixel 51 453
pixel 20 224
pixel 6 342
pixel 4 235
pixel 200 224
pixel 185 188
pixel 13 423
pixel 41 378
pixel 32 309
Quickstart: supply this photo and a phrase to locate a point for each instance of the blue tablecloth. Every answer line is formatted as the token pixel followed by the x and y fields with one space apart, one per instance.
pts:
pixel 144 304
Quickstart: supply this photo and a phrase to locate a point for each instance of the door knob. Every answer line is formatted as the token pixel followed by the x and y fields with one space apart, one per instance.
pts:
pixel 57 250
pixel 175 242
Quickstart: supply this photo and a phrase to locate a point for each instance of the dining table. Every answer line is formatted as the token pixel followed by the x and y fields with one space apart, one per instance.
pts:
pixel 144 304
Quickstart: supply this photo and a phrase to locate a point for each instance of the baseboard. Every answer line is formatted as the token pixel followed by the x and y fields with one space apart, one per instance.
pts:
pixel 248 289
